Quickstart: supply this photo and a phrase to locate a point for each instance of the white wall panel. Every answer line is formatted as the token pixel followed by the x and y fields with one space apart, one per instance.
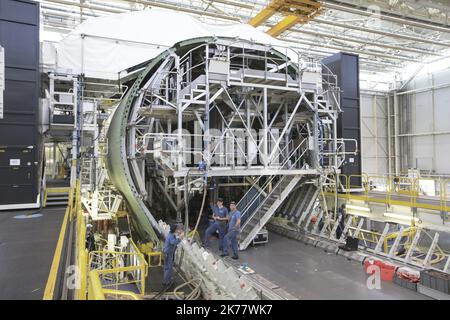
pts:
pixel 428 143
pixel 374 144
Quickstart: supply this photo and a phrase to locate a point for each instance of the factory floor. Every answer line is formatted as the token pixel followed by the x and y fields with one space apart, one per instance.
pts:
pixel 27 245
pixel 307 272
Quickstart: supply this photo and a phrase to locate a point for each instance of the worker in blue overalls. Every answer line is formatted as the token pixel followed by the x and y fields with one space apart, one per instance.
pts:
pixel 220 216
pixel 173 238
pixel 231 238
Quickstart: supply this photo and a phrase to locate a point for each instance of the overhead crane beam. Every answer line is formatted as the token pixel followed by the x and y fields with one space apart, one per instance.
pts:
pixel 263 15
pixel 289 22
pixel 296 11
pixel 284 25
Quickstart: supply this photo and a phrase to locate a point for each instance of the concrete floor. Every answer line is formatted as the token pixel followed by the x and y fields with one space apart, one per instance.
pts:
pixel 27 247
pixel 26 252
pixel 307 272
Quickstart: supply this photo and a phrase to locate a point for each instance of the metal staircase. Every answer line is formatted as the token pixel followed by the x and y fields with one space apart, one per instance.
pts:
pixel 56 196
pixel 300 201
pixel 57 199
pixel 195 90
pixel 254 220
pixel 265 196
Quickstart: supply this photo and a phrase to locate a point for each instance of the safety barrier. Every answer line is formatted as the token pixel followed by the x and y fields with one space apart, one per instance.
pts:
pixel 97 292
pixel 409 245
pixel 49 292
pixel 445 195
pixel 81 256
pixel 89 281
pixel 394 190
pixel 114 268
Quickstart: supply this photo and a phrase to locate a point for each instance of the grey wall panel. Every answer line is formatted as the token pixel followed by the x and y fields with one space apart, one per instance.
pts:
pixel 21 11
pixel 19 52
pixel 22 96
pixel 11 137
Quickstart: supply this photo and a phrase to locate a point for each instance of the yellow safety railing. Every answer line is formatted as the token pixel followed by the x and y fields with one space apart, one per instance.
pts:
pixel 116 265
pixel 97 292
pixel 404 186
pixel 68 216
pixel 122 293
pixel 398 190
pixel 386 182
pixel 408 232
pixel 81 256
pixel 445 195
pixel 364 182
pixel 95 289
pixel 369 236
pixel 152 255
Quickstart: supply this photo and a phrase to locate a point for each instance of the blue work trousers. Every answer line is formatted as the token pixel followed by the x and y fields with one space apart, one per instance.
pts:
pixel 221 227
pixel 231 238
pixel 168 267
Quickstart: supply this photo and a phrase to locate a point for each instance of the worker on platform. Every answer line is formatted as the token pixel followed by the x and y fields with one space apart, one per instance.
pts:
pixel 173 238
pixel 221 217
pixel 231 238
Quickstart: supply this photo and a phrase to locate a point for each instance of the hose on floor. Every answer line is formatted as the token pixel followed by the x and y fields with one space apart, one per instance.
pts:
pixel 194 294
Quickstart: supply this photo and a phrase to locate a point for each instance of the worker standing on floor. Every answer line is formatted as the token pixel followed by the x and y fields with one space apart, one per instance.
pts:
pixel 231 238
pixel 220 216
pixel 173 238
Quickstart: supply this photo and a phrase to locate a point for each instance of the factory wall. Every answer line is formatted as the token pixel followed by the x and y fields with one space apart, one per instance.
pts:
pixel 374 136
pixel 425 124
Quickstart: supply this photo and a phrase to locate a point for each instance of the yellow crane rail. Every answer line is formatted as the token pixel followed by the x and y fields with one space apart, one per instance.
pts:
pixel 296 11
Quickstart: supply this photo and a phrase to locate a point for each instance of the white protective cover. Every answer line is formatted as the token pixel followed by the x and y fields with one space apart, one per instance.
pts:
pixel 115 42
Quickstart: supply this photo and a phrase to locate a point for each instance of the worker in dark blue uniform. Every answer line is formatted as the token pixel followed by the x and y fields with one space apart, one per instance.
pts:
pixel 220 216
pixel 173 238
pixel 231 238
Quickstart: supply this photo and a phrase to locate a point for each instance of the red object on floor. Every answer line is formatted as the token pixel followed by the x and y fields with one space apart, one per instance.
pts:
pixel 408 274
pixel 387 270
pixel 388 266
pixel 375 262
pixel 387 274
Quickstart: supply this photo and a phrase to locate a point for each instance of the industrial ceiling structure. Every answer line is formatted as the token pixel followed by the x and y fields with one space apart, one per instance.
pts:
pixel 388 35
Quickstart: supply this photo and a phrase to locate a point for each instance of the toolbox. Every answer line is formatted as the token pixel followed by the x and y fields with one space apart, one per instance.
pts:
pixel 261 237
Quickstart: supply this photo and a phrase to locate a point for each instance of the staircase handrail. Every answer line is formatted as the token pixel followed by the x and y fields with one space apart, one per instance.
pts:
pixel 254 198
